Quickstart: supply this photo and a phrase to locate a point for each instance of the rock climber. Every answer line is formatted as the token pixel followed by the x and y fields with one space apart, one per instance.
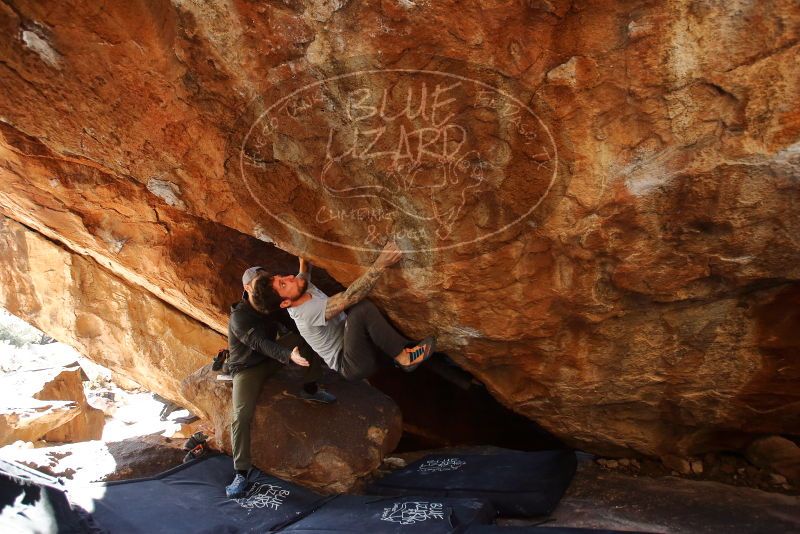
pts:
pixel 347 331
pixel 256 353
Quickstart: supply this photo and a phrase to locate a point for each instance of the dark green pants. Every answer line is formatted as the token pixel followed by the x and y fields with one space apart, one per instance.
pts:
pixel 247 385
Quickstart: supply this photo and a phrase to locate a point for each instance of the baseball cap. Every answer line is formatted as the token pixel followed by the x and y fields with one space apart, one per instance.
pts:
pixel 248 277
pixel 250 273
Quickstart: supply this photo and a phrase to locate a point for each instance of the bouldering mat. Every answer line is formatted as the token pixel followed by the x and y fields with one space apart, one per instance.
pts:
pixel 393 515
pixel 33 502
pixel 191 498
pixel 518 484
pixel 496 529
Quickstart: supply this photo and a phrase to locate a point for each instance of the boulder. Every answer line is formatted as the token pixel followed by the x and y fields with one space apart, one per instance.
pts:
pixel 776 453
pixel 49 404
pixel 88 424
pixel 598 201
pixel 144 456
pixel 29 420
pixel 327 447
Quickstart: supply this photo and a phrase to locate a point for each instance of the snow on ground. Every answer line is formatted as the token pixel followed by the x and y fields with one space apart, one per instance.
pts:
pixel 129 413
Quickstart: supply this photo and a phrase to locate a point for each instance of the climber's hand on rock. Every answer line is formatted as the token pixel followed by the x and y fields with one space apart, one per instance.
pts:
pixel 390 255
pixel 296 358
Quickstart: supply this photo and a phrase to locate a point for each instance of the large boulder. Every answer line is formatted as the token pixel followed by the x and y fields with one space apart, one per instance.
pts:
pixel 29 419
pixel 47 403
pixel 88 424
pixel 598 199
pixel 778 454
pixel 327 447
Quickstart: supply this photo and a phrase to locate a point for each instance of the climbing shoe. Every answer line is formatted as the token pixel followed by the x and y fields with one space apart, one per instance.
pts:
pixel 416 355
pixel 236 489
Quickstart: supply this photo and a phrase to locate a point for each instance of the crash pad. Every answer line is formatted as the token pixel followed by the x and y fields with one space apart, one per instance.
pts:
pixel 366 514
pixel 191 498
pixel 518 484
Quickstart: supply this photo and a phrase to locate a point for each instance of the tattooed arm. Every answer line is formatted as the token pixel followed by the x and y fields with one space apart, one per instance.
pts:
pixel 364 284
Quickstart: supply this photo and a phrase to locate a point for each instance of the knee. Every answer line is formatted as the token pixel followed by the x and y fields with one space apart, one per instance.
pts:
pixel 242 414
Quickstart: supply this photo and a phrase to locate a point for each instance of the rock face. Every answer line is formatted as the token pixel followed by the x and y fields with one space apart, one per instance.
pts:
pixel 599 201
pixel 114 323
pixel 48 404
pixel 29 420
pixel 88 424
pixel 326 447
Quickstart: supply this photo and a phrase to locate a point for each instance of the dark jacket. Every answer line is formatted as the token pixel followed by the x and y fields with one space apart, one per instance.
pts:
pixel 251 337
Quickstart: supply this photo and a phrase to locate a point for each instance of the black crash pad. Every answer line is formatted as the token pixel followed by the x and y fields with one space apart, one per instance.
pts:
pixel 518 484
pixel 31 501
pixel 191 498
pixel 393 515
pixel 495 529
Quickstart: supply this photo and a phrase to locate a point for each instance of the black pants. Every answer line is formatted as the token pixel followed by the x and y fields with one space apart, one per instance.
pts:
pixel 316 365
pixel 367 335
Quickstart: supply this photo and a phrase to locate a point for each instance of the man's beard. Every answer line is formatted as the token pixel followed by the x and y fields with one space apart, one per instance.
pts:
pixel 302 287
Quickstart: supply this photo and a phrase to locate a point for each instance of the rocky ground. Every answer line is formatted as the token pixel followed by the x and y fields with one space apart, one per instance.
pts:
pixel 600 498
pixel 135 442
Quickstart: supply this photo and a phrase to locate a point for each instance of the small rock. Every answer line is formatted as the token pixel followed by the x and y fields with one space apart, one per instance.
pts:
pixel 676 463
pixel 697 467
pixel 635 463
pixel 602 461
pixel 624 462
pixel 778 480
pixel 612 464
pixel 787 487
pixel 740 470
pixel 395 462
pixel 710 459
